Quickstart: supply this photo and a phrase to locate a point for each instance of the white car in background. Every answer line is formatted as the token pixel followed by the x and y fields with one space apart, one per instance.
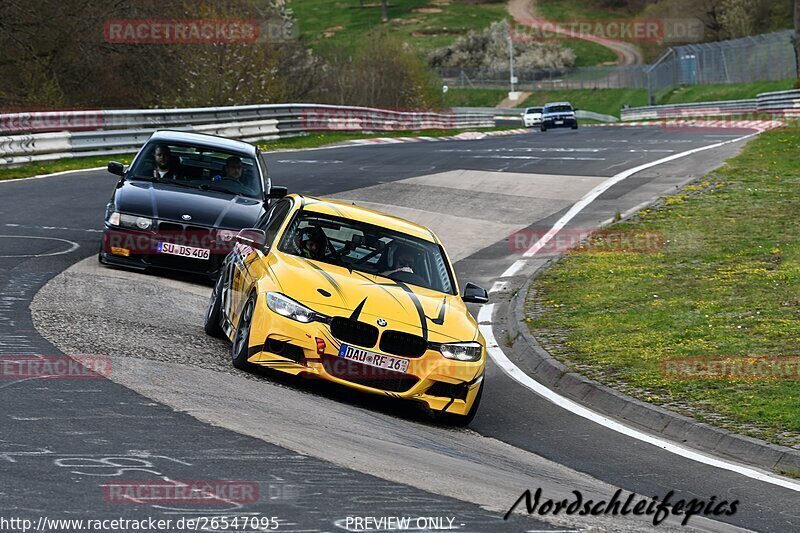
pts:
pixel 532 117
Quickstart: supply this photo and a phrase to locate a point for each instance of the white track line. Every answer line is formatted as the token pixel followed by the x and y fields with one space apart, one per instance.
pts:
pixel 73 245
pixel 514 372
pixel 62 173
pixel 603 187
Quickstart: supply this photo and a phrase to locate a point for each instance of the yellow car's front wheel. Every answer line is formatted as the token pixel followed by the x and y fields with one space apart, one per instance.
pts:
pixel 214 312
pixel 240 350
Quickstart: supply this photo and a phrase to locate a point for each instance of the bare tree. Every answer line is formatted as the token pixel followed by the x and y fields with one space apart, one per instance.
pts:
pixel 385 10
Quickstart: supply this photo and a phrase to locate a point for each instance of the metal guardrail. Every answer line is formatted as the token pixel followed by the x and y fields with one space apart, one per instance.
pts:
pixel 51 135
pixel 786 103
pixel 781 103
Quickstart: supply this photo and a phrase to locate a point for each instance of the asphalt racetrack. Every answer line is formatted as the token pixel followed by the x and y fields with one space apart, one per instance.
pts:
pixel 172 407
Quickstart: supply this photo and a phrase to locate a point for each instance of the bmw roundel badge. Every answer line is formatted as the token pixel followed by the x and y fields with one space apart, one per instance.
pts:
pixel 381 322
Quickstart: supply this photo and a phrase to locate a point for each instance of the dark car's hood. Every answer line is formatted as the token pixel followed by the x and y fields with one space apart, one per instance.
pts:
pixel 169 202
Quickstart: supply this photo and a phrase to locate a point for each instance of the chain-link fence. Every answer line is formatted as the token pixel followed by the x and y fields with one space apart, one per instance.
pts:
pixel 768 56
pixel 529 80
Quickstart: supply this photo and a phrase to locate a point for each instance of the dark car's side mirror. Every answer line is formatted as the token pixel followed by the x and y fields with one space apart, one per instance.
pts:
pixel 474 294
pixel 276 192
pixel 252 237
pixel 116 168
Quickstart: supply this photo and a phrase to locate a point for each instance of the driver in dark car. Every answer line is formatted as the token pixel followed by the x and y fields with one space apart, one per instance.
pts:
pixel 232 170
pixel 165 166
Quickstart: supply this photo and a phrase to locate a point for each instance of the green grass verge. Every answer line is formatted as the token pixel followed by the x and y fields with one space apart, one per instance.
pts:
pixel 733 91
pixel 725 285
pixel 50 167
pixel 323 23
pixel 581 9
pixel 474 97
pixel 608 101
pixel 589 54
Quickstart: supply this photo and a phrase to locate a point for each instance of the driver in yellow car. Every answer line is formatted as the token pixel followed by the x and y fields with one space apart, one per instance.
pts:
pixel 404 262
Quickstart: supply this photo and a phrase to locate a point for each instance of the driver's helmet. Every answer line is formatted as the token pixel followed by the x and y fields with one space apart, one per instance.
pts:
pixel 404 256
pixel 311 243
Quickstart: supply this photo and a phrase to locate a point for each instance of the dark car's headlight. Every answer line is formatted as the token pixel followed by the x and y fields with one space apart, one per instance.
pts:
pixel 462 351
pixel 129 221
pixel 285 306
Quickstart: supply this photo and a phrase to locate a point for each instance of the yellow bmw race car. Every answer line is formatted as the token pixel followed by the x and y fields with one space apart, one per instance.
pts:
pixel 354 296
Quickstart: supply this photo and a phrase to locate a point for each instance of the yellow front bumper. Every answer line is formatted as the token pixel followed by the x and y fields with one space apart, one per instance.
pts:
pixel 443 384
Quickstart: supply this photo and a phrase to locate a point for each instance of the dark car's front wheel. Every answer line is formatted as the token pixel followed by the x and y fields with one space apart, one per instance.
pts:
pixel 213 321
pixel 240 350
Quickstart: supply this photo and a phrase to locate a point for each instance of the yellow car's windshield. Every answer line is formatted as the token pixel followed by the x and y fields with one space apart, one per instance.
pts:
pixel 367 248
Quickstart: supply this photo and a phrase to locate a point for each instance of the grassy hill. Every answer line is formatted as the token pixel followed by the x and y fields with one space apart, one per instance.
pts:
pixel 426 24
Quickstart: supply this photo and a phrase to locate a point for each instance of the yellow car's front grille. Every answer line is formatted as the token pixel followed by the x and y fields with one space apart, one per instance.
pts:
pixel 403 344
pixel 354 332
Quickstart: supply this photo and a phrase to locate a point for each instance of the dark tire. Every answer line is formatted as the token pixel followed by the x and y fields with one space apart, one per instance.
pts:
pixel 461 420
pixel 241 340
pixel 213 326
pixel 543 128
pixel 575 127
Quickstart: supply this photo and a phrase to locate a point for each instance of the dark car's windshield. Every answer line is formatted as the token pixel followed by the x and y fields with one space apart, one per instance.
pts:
pixel 558 109
pixel 199 167
pixel 367 248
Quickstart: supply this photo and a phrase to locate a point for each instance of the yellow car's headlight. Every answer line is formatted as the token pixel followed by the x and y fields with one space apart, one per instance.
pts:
pixel 462 351
pixel 285 306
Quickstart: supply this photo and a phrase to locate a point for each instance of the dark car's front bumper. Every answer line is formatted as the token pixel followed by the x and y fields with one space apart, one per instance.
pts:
pixel 140 250
pixel 565 122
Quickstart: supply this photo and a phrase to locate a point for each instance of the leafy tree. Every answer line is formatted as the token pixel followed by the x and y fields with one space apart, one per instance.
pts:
pixel 384 72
